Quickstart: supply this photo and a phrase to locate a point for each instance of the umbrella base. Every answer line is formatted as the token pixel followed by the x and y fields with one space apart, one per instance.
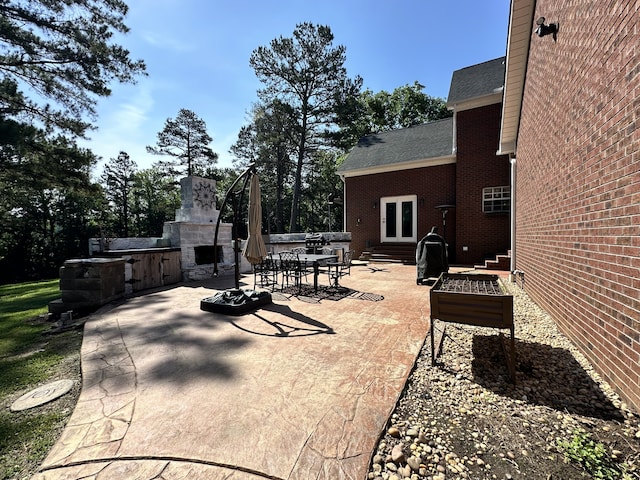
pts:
pixel 235 301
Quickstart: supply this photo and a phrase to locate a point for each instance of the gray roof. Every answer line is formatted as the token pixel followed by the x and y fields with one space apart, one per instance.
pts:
pixel 420 142
pixel 476 81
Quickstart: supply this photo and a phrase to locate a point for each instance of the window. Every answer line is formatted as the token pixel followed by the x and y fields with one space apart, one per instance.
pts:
pixel 496 199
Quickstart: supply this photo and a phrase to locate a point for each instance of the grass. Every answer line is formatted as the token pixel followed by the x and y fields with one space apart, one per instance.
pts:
pixel 29 358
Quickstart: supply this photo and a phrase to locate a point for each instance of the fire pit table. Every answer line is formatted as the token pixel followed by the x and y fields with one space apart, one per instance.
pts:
pixel 472 299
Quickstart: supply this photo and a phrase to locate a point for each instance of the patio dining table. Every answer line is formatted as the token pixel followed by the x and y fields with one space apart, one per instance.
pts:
pixel 315 259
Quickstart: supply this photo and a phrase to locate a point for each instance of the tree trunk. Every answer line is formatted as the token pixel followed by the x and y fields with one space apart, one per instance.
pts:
pixel 295 206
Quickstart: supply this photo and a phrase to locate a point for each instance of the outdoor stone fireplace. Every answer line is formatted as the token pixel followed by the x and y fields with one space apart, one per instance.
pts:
pixel 194 228
pixel 192 233
pixel 207 254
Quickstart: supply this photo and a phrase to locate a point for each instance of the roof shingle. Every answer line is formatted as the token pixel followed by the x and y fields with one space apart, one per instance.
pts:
pixel 476 81
pixel 420 142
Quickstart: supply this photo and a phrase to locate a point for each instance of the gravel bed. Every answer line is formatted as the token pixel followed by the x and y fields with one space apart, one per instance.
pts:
pixel 463 419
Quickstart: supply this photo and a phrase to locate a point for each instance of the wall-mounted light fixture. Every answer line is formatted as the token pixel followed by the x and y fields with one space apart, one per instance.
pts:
pixel 374 205
pixel 543 30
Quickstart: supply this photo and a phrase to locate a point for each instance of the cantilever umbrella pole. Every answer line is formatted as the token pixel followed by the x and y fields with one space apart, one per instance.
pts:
pixel 246 177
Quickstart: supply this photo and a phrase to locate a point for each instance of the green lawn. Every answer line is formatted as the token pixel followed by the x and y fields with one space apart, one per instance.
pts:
pixel 28 358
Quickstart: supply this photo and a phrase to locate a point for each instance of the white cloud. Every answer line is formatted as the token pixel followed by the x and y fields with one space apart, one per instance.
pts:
pixel 163 41
pixel 133 112
pixel 124 118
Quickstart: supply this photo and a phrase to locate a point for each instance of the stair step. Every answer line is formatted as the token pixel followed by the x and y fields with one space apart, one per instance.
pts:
pixel 501 262
pixel 391 253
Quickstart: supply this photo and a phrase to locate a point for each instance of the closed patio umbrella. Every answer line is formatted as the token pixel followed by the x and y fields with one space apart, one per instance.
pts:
pixel 255 250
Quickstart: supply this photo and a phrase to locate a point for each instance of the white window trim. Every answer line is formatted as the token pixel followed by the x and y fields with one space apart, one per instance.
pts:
pixel 496 199
pixel 399 199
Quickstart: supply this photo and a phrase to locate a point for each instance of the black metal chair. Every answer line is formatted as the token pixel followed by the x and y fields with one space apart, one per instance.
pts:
pixel 265 273
pixel 339 269
pixel 328 251
pixel 291 269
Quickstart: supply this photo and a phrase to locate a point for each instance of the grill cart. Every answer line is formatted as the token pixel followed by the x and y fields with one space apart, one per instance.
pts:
pixel 472 299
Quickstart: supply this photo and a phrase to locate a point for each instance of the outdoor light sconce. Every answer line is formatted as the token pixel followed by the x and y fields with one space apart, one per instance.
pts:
pixel 543 30
pixel 374 205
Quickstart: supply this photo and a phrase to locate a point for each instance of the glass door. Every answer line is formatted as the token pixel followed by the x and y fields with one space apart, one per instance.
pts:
pixel 398 219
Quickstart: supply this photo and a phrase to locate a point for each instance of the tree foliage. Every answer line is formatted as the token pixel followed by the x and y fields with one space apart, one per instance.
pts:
pixel 322 209
pixel 56 59
pixel 269 142
pixel 187 141
pixel 61 52
pixel 155 201
pixel 117 180
pixel 370 112
pixel 47 202
pixel 307 73
pixel 137 202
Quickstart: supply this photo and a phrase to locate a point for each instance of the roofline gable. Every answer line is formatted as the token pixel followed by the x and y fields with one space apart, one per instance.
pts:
pixel 477 85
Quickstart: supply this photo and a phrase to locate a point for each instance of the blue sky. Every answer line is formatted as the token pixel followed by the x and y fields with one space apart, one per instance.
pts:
pixel 197 55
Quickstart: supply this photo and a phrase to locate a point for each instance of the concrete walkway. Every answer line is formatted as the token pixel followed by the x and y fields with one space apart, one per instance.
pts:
pixel 300 389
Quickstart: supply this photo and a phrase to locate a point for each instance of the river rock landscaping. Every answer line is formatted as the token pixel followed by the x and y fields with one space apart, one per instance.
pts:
pixel 463 419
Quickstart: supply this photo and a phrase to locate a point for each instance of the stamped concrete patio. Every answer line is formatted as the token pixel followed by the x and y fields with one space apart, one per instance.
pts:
pixel 301 389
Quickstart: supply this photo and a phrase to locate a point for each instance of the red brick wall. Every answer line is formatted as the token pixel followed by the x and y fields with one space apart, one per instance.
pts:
pixel 578 182
pixel 436 185
pixel 477 167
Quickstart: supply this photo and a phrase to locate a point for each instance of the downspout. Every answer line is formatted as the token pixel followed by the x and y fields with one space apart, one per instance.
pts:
pixel 454 142
pixel 512 214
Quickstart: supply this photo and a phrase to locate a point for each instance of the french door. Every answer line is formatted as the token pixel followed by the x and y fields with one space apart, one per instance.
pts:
pixel 398 219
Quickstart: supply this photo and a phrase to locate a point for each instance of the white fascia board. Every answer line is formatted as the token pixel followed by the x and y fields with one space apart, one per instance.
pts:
pixel 429 162
pixel 477 102
pixel 518 42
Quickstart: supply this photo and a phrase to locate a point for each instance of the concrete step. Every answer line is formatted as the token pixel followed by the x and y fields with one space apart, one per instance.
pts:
pixel 501 262
pixel 404 253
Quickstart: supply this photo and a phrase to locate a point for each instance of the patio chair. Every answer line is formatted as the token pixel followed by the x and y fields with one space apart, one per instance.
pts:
pixel 291 269
pixel 303 251
pixel 326 250
pixel 339 269
pixel 329 251
pixel 265 273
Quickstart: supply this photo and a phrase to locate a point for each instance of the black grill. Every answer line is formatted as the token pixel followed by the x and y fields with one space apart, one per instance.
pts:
pixel 314 241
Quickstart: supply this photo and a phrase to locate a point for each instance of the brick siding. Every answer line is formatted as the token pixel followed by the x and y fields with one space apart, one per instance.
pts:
pixel 433 186
pixel 578 182
pixel 477 165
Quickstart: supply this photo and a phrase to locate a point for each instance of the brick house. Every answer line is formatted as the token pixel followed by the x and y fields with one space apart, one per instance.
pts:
pixel 399 184
pixel 571 125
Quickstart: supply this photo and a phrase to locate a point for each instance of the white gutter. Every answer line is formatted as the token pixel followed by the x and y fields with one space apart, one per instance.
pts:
pixel 512 214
